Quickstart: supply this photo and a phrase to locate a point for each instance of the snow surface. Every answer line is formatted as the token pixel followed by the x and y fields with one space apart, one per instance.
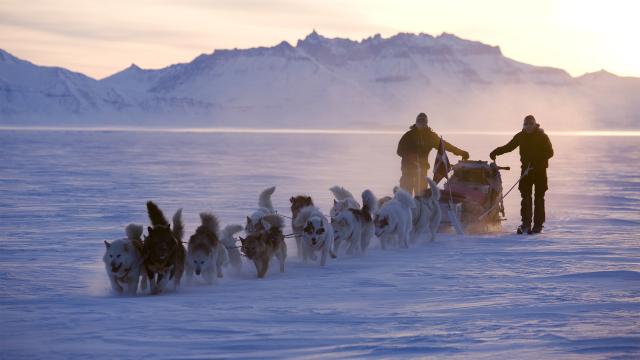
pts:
pixel 571 292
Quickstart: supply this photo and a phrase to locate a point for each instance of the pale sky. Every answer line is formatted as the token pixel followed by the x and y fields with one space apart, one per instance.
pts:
pixel 99 38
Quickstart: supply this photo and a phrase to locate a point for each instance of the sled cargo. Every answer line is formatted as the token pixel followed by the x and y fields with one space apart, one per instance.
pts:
pixel 475 192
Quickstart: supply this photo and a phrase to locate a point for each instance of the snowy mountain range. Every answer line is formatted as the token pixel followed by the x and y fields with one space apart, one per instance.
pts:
pixel 376 83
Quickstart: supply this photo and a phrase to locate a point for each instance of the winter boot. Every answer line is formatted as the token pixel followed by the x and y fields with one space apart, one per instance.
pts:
pixel 523 229
pixel 537 229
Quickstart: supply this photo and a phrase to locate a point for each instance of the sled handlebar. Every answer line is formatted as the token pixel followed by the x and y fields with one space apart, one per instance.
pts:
pixel 503 167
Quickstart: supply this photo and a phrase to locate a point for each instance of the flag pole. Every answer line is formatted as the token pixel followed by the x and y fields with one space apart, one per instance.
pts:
pixel 452 215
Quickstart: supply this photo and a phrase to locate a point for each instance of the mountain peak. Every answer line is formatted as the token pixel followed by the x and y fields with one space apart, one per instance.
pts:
pixel 313 37
pixel 7 58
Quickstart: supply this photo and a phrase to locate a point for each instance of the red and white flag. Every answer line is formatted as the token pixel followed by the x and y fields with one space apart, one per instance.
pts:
pixel 441 166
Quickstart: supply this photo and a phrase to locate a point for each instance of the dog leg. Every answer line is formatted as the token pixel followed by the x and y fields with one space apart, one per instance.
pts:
pixel 132 286
pixel 281 260
pixel 143 281
pixel 265 267
pixel 114 285
pixel 189 271
pixel 208 275
pixel 403 239
pixel 258 264
pixel 323 258
pixel 299 250
pixel 156 284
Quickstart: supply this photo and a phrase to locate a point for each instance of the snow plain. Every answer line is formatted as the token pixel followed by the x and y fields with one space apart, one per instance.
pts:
pixel 571 292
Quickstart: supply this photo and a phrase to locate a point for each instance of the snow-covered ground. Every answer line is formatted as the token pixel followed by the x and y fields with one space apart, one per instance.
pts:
pixel 571 292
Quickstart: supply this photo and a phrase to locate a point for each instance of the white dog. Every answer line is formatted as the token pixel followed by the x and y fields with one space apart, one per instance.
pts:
pixel 265 207
pixel 427 214
pixel 395 218
pixel 355 226
pixel 206 254
pixel 231 244
pixel 343 200
pixel 123 261
pixel 317 234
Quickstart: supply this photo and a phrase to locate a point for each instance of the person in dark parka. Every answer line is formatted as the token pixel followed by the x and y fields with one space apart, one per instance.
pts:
pixel 535 151
pixel 414 148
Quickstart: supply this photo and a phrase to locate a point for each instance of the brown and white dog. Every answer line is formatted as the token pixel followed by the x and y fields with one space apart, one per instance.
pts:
pixel 206 254
pixel 123 261
pixel 297 203
pixel 163 252
pixel 262 245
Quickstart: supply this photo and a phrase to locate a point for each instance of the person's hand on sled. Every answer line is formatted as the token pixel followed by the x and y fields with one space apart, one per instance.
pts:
pixel 492 156
pixel 465 155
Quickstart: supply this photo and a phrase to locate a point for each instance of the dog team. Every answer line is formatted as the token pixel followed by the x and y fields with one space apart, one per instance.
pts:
pixel 160 259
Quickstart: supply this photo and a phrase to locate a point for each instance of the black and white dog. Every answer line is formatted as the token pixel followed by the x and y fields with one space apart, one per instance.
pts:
pixel 317 234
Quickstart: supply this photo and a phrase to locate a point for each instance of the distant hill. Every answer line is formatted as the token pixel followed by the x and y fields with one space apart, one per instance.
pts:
pixel 375 83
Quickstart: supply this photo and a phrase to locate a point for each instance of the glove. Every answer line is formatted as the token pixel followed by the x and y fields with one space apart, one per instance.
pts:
pixel 492 156
pixel 465 155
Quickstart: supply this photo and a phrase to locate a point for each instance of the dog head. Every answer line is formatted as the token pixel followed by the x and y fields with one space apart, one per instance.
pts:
pixel 338 207
pixel 383 224
pixel 253 245
pixel 254 222
pixel 199 256
pixel 315 231
pixel 120 256
pixel 342 226
pixel 299 202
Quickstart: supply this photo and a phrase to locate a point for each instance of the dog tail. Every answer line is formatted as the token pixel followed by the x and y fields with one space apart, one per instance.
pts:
pixel 155 214
pixel 340 193
pixel 369 201
pixel 178 225
pixel 134 231
pixel 210 222
pixel 265 198
pixel 404 198
pixel 435 191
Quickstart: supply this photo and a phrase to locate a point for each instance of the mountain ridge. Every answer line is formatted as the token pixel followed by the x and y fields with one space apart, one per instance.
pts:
pixel 338 82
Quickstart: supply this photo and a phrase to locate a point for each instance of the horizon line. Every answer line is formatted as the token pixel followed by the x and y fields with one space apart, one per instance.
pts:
pixel 248 130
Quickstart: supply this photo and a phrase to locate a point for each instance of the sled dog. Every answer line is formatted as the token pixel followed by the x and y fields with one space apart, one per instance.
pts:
pixel 343 200
pixel 262 245
pixel 123 261
pixel 163 252
pixel 355 226
pixel 231 245
pixel 265 207
pixel 427 214
pixel 395 218
pixel 297 203
pixel 317 234
pixel 206 254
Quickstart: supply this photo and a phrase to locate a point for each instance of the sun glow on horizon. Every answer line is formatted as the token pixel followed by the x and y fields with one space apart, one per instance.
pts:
pixel 102 38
